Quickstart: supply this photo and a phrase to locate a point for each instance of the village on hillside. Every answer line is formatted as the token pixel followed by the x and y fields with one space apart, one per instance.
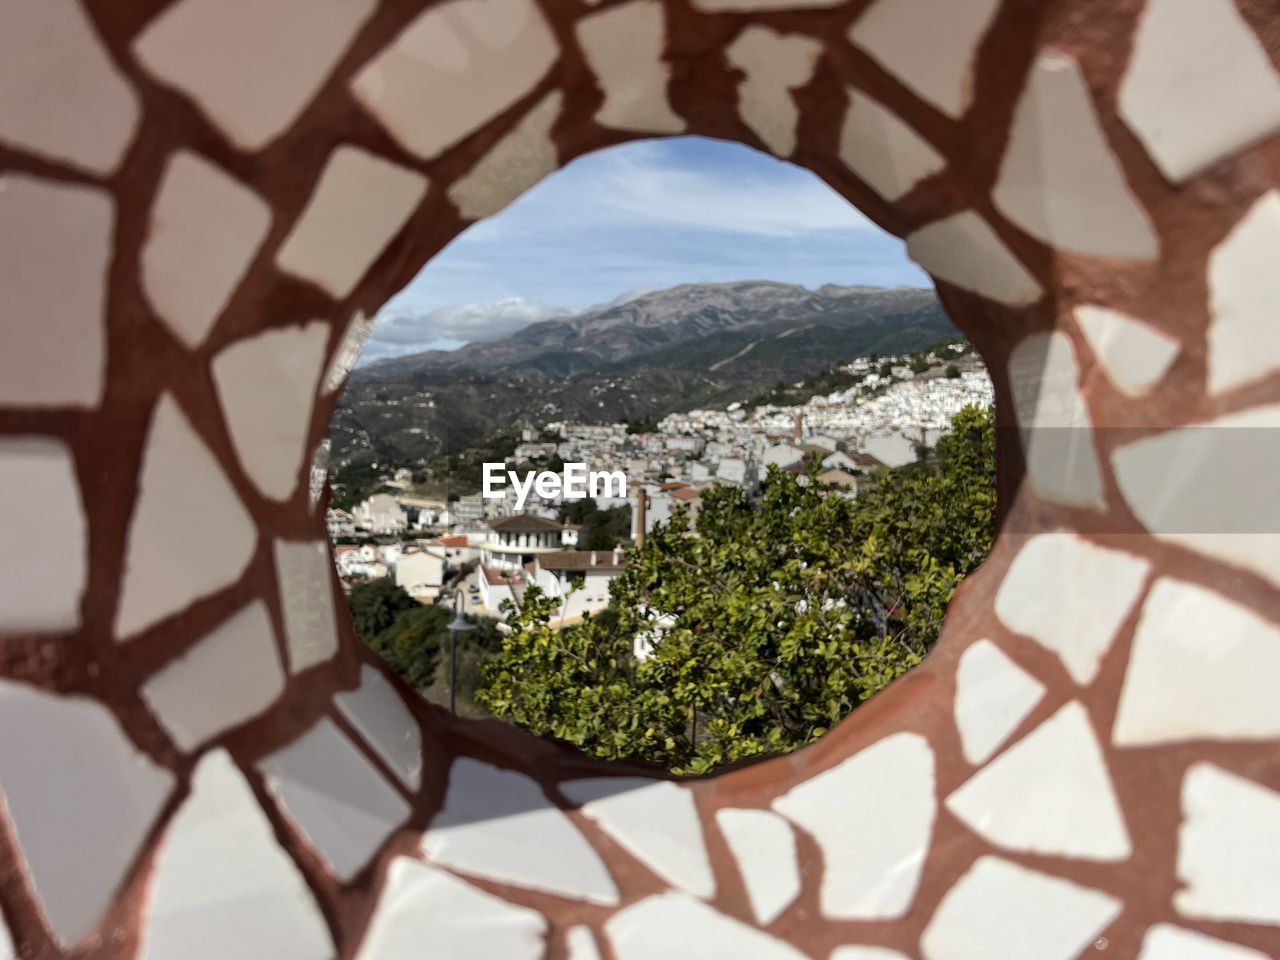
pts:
pixel 485 551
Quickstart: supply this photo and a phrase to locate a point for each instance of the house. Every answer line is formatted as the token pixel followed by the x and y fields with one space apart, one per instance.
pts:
pixel 514 541
pixel 422 573
pixel 839 480
pixel 590 571
pixel 839 460
pixel 497 586
pixel 782 455
pixel 381 514
pixel 735 470
pixel 339 523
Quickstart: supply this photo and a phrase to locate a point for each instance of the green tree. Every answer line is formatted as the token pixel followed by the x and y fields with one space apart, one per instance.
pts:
pixel 376 605
pixel 766 624
pixel 411 645
pixel 953 372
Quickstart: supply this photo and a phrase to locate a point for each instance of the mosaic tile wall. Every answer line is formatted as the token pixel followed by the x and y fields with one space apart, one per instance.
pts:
pixel 202 202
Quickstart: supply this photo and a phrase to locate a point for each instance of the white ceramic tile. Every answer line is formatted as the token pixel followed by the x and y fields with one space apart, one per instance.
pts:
pixel 455 67
pixel 883 150
pixel 581 944
pixel 1210 487
pixel 1050 793
pixel 1164 941
pixel 228 677
pixel 1056 431
pixel 1059 179
pixel 348 352
pixel 7 951
pixel 267 384
pixel 674 926
pixel 765 850
pixel 1243 342
pixel 422 905
pixel 624 46
pixel 1070 596
pixel 499 825
pixel 1185 679
pixel 81 798
pixel 359 204
pixel 870 875
pixel 184 498
pixel 1135 355
pixel 858 952
pixel 335 796
pixel 775 64
pixel 655 820
pixel 306 593
pixel 1002 911
pixel 514 164
pixel 993 696
pixel 378 713
pixel 1228 848
pixel 1199 87
pixel 318 472
pixel 222 886
pixel 935 63
pixel 251 66
pixel 964 251
pixel 44 550
pixel 206 228
pixel 55 248
pixel 62 96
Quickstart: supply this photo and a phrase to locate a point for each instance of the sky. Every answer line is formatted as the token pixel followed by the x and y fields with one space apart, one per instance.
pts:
pixel 643 216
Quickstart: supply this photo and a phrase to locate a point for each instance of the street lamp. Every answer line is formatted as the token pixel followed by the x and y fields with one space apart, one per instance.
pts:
pixel 456 626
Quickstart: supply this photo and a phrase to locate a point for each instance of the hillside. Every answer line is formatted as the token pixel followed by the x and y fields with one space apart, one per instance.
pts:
pixel 689 346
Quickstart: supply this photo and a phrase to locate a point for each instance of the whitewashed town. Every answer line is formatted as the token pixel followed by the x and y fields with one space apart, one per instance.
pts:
pixel 487 550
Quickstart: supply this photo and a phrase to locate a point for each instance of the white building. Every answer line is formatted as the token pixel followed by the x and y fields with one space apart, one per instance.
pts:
pixel 591 571
pixel 422 573
pixel 381 514
pixel 516 540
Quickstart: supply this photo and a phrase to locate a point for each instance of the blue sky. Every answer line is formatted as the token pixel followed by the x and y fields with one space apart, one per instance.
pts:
pixel 643 216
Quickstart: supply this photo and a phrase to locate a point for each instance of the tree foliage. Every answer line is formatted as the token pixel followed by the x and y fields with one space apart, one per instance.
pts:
pixel 765 624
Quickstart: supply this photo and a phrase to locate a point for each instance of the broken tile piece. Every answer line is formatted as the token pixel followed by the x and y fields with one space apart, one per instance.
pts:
pixel 55 248
pixel 964 251
pixel 624 46
pixel 1199 87
pixel 1135 355
pixel 514 164
pixel 305 573
pixel 205 230
pixel 359 203
pixel 81 798
pixel 935 63
pixel 1050 793
pixel 267 385
pixel 1059 179
pixel 775 64
pixel 455 67
pixel 335 796
pixel 63 97
pixel 162 575
pixel 222 887
pixel 421 904
pixel 655 820
pixel 1228 848
pixel 44 554
pixel 883 150
pixel 1242 340
pixel 870 875
pixel 499 825
pixel 1164 941
pixel 675 926
pixel 1179 687
pixel 282 52
pixel 228 677
pixel 1070 596
pixel 993 696
pixel 765 850
pixel 1038 915
pixel 380 716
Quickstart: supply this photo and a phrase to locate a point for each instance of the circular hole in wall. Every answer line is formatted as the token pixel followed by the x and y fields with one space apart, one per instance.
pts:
pixel 684 446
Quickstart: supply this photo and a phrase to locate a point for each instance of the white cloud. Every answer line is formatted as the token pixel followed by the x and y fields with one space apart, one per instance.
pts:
pixel 397 332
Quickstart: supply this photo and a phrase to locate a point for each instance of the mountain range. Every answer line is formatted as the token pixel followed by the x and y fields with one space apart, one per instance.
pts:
pixel 689 346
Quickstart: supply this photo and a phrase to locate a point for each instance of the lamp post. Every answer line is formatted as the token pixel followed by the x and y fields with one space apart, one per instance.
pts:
pixel 456 626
